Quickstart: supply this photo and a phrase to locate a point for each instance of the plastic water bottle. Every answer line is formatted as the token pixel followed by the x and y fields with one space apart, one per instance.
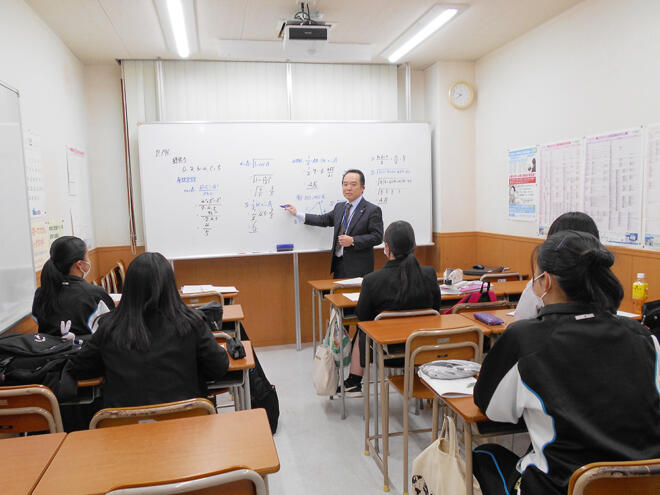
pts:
pixel 640 291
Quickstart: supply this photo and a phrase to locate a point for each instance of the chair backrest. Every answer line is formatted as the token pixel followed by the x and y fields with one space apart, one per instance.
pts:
pixel 472 307
pixel 615 478
pixel 234 482
pixel 120 274
pixel 112 281
pixel 196 299
pixel 29 408
pixel 406 312
pixel 118 416
pixel 501 277
pixel 424 346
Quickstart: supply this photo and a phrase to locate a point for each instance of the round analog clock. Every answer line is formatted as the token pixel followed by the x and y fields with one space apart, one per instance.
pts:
pixel 461 95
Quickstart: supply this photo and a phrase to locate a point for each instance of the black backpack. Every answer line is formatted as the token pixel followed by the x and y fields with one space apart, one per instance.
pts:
pixel 37 358
pixel 262 392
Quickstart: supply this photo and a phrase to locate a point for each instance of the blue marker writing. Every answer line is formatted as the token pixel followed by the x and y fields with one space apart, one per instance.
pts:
pixel 284 206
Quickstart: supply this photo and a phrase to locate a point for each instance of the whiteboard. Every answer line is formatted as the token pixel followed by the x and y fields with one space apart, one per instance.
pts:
pixel 215 189
pixel 17 281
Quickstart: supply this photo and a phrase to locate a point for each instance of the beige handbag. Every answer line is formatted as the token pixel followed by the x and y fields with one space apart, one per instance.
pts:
pixel 439 469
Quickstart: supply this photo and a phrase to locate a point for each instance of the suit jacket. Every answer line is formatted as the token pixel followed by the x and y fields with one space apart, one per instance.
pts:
pixel 173 368
pixel 379 289
pixel 366 228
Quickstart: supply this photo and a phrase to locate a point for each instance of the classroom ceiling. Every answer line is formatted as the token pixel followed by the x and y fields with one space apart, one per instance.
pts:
pixel 100 31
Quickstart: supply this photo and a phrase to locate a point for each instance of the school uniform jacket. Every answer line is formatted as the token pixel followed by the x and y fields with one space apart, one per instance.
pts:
pixel 380 288
pixel 78 301
pixel 366 228
pixel 586 384
pixel 172 368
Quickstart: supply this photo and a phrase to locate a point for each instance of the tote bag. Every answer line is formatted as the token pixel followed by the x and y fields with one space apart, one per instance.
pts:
pixel 337 339
pixel 324 371
pixel 439 469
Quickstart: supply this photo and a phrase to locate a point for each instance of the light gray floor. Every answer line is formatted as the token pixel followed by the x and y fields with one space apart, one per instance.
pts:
pixel 319 452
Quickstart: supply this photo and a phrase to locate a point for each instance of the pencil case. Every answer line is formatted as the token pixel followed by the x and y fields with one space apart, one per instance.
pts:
pixel 488 319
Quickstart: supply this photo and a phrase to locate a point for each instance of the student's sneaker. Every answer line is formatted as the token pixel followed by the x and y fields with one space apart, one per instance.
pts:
pixel 352 387
pixel 354 391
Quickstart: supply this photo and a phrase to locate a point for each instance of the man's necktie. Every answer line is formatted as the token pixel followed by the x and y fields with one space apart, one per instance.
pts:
pixel 339 250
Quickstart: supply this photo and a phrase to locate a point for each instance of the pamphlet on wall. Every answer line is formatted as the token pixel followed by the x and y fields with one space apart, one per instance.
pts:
pixel 522 184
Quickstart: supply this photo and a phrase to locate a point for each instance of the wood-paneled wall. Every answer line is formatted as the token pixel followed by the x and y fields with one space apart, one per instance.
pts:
pixel 467 248
pixel 267 290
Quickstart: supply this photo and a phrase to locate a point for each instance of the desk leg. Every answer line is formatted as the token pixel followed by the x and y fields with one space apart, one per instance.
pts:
pixel 386 451
pixel 247 403
pixel 467 440
pixel 319 298
pixel 367 393
pixel 377 349
pixel 237 330
pixel 314 321
pixel 341 364
pixel 296 293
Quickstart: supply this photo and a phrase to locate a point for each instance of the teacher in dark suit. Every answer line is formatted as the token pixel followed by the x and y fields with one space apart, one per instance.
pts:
pixel 358 228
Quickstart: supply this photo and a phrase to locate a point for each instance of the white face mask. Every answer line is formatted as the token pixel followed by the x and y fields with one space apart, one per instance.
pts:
pixel 89 268
pixel 546 292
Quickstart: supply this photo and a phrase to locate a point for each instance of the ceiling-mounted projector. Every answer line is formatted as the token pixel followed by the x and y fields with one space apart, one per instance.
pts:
pixel 300 40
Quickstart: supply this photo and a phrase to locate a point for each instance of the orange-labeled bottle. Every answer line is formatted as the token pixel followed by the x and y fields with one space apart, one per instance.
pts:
pixel 640 291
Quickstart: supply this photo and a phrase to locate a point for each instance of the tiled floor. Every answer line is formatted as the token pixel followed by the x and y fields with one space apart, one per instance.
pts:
pixel 320 453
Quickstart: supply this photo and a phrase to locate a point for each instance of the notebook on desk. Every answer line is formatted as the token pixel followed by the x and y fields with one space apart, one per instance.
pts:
pixel 484 270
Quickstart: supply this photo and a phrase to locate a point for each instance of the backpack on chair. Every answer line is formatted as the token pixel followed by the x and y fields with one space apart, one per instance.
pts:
pixel 651 317
pixel 482 295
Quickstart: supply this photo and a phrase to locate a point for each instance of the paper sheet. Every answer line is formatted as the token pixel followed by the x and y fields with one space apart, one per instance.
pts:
pixel 350 281
pixel 191 289
pixel 522 184
pixel 613 185
pixel 560 176
pixel 353 296
pixel 652 182
pixel 459 387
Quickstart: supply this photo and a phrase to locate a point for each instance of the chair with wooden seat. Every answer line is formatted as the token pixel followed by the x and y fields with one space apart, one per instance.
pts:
pixel 118 416
pixel 233 482
pixel 482 306
pixel 424 346
pixel 29 408
pixel 615 478
pixel 120 275
pixel 196 299
pixel 500 277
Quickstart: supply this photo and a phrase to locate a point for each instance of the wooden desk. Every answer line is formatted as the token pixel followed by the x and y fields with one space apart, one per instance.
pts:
pixel 97 461
pixel 233 313
pixel 319 289
pixel 492 329
pixel 386 332
pixel 24 461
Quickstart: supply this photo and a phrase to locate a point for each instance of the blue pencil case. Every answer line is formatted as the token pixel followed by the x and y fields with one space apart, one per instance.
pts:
pixel 488 319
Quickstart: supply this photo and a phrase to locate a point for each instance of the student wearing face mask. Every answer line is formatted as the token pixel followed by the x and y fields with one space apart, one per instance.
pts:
pixel 529 304
pixel 584 380
pixel 64 295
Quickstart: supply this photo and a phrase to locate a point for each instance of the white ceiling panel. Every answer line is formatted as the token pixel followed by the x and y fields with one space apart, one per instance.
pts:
pixel 103 30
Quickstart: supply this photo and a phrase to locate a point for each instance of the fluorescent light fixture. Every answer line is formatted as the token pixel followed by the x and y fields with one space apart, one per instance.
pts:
pixel 177 21
pixel 425 26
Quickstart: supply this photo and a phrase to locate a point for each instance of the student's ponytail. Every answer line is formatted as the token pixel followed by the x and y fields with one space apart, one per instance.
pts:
pixel 581 265
pixel 64 252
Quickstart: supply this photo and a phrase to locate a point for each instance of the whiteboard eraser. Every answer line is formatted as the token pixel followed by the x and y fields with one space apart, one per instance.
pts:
pixel 284 247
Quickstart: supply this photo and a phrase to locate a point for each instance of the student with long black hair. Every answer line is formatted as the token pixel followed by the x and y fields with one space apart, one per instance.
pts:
pixel 529 303
pixel 152 348
pixel 584 380
pixel 64 294
pixel 401 284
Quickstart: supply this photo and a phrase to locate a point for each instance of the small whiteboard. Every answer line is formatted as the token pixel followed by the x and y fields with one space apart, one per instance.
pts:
pixel 215 189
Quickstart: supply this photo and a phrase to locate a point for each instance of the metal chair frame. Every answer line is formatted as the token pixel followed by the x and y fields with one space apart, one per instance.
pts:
pixel 29 408
pixel 613 478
